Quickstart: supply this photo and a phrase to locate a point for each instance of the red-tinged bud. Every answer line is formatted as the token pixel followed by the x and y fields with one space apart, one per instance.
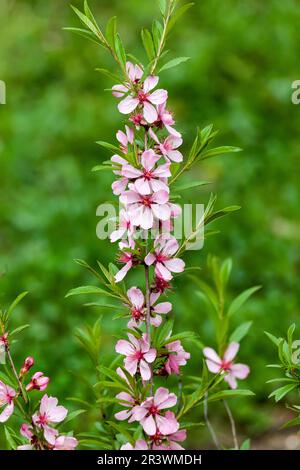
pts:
pixel 160 285
pixel 38 382
pixel 28 363
pixel 3 340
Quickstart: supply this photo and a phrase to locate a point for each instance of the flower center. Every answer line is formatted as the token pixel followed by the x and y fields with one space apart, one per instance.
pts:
pixel 226 365
pixel 146 201
pixel 147 175
pixel 125 257
pixel 142 96
pixel 160 258
pixel 136 313
pixel 153 410
pixel 43 419
pixel 139 355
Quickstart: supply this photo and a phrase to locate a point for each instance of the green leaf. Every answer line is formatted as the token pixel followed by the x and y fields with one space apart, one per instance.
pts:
pixel 108 146
pixel 230 394
pixel 194 184
pixel 85 20
pixel 148 43
pixel 162 6
pixel 111 31
pixel 72 416
pixel 179 12
pixel 120 51
pixel 239 301
pixel 246 445
pixel 240 332
pixel 84 33
pixel 88 290
pixel 9 438
pixel 292 422
pixel 157 32
pixel 108 74
pixel 14 304
pixel 279 393
pixel 221 213
pixel 18 330
pixel 101 168
pixel 273 338
pixel 219 151
pixel 173 63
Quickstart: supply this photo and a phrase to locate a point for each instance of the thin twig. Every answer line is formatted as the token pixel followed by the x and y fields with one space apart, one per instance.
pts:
pixel 232 423
pixel 148 316
pixel 208 423
pixel 12 365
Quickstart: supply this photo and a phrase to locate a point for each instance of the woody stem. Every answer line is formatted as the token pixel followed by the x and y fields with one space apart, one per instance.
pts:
pixel 148 315
pixel 12 365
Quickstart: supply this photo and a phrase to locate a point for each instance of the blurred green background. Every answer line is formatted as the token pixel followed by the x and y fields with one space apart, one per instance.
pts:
pixel 244 57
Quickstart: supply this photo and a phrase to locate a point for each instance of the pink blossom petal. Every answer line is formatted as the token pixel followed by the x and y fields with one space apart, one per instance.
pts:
pixel 231 352
pixel 150 259
pixel 146 219
pixel 123 415
pixel 175 156
pixel 122 273
pixel 240 371
pixel 161 197
pixel 119 186
pixel 163 272
pixel 131 364
pixel 128 105
pixel 170 401
pixel 149 425
pixel 50 434
pixel 163 307
pixel 136 297
pixel 175 265
pixel 143 187
pixel 166 426
pixel 150 355
pixel 156 321
pixel 129 197
pixel 149 159
pixel 150 113
pixel 161 395
pixel 7 412
pixel 124 347
pixel 119 90
pixel 139 412
pixel 211 354
pixel 150 83
pixel 158 97
pixel 230 379
pixel 161 211
pixel 212 366
pixel 130 172
pixel 145 370
pixel 122 138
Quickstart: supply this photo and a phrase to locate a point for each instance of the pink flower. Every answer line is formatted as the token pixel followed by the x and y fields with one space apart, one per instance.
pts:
pixel 146 100
pixel 148 179
pixel 134 74
pixel 125 227
pixel 169 147
pixel 149 413
pixel 125 138
pixel 177 357
pixel 125 257
pixel 232 371
pixel 138 354
pixel 49 413
pixel 170 442
pixel 7 395
pixel 165 119
pixel 65 443
pixel 120 185
pixel 26 432
pixel 28 363
pixel 144 208
pixel 138 308
pixel 38 382
pixel 165 247
pixel 128 402
pixel 3 339
pixel 139 445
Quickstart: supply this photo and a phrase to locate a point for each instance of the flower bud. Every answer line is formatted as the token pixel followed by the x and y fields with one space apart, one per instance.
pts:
pixel 38 382
pixel 28 363
pixel 3 339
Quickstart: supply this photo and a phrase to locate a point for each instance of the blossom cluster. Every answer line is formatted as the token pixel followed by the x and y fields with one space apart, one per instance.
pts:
pixel 39 429
pixel 148 146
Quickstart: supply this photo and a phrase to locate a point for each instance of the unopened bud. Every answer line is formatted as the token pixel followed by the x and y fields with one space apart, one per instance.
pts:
pixel 28 363
pixel 38 382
